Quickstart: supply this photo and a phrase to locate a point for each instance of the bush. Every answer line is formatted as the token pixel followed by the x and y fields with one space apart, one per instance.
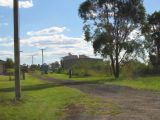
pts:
pixel 133 68
pixel 152 70
pixel 9 71
pixel 91 68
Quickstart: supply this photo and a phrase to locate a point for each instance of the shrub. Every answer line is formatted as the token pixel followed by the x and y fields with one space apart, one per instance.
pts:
pixel 91 68
pixel 134 68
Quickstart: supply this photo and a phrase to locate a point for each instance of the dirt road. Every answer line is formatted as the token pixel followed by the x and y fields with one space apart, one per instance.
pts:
pixel 136 104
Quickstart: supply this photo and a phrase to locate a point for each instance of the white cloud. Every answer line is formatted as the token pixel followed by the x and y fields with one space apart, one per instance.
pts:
pixel 6 41
pixel 4 24
pixel 47 31
pixel 22 4
pixel 56 42
pixel 49 37
pixel 26 4
pixel 3 39
pixel 6 53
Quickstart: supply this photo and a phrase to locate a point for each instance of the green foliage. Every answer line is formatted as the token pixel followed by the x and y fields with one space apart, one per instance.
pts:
pixel 35 67
pixel 151 31
pixel 55 67
pixel 9 63
pixel 24 68
pixel 91 68
pixel 108 25
pixel 133 68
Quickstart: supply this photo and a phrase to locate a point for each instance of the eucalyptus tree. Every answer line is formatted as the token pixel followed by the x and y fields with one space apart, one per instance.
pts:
pixel 151 31
pixel 108 24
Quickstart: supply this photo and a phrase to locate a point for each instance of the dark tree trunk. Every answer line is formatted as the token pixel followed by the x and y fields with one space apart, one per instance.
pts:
pixel 117 67
pixel 113 65
pixel 117 61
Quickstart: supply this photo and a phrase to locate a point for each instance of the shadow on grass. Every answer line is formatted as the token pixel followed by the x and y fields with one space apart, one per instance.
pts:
pixel 30 88
pixel 57 83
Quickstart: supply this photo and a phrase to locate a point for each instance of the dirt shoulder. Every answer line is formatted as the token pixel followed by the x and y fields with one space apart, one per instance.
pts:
pixel 136 104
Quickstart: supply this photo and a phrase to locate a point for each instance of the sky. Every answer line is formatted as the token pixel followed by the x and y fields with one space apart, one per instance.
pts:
pixel 50 24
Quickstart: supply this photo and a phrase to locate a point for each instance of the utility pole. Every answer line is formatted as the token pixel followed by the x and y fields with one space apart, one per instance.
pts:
pixel 32 58
pixel 16 50
pixel 42 55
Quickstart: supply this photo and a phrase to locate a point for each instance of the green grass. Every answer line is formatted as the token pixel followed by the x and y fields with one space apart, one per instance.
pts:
pixel 147 83
pixel 66 77
pixel 44 101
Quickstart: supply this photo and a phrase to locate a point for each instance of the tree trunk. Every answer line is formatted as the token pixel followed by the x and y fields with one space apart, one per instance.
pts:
pixel 117 67
pixel 117 62
pixel 113 65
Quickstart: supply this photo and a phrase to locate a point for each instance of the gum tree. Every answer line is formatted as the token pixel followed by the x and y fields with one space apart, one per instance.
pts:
pixel 108 24
pixel 151 31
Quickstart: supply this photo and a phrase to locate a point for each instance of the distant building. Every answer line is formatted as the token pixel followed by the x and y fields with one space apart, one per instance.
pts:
pixel 83 56
pixel 68 61
pixel 70 56
pixel 2 67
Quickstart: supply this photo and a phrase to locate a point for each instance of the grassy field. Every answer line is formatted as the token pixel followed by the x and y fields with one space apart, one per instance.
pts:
pixel 45 101
pixel 66 77
pixel 148 83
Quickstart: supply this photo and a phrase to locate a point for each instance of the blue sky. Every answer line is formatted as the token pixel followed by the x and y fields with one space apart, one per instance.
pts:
pixel 51 24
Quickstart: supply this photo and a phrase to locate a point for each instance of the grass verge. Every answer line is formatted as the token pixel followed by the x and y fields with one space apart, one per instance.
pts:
pixel 44 101
pixel 75 78
pixel 147 83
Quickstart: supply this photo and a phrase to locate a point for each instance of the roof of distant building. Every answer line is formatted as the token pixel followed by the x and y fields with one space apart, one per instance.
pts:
pixel 83 56
pixel 1 61
pixel 70 56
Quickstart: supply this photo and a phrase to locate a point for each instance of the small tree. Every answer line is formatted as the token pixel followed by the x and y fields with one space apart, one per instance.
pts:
pixel 55 66
pixel 108 25
pixel 9 63
pixel 34 67
pixel 151 31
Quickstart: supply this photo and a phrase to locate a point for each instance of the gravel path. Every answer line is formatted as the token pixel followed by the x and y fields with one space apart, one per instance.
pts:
pixel 136 104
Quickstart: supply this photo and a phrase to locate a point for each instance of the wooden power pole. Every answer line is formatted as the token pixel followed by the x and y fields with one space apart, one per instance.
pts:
pixel 16 50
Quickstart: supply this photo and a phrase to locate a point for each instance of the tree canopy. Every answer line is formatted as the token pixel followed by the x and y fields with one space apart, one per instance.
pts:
pixel 151 31
pixel 108 24
pixel 9 63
